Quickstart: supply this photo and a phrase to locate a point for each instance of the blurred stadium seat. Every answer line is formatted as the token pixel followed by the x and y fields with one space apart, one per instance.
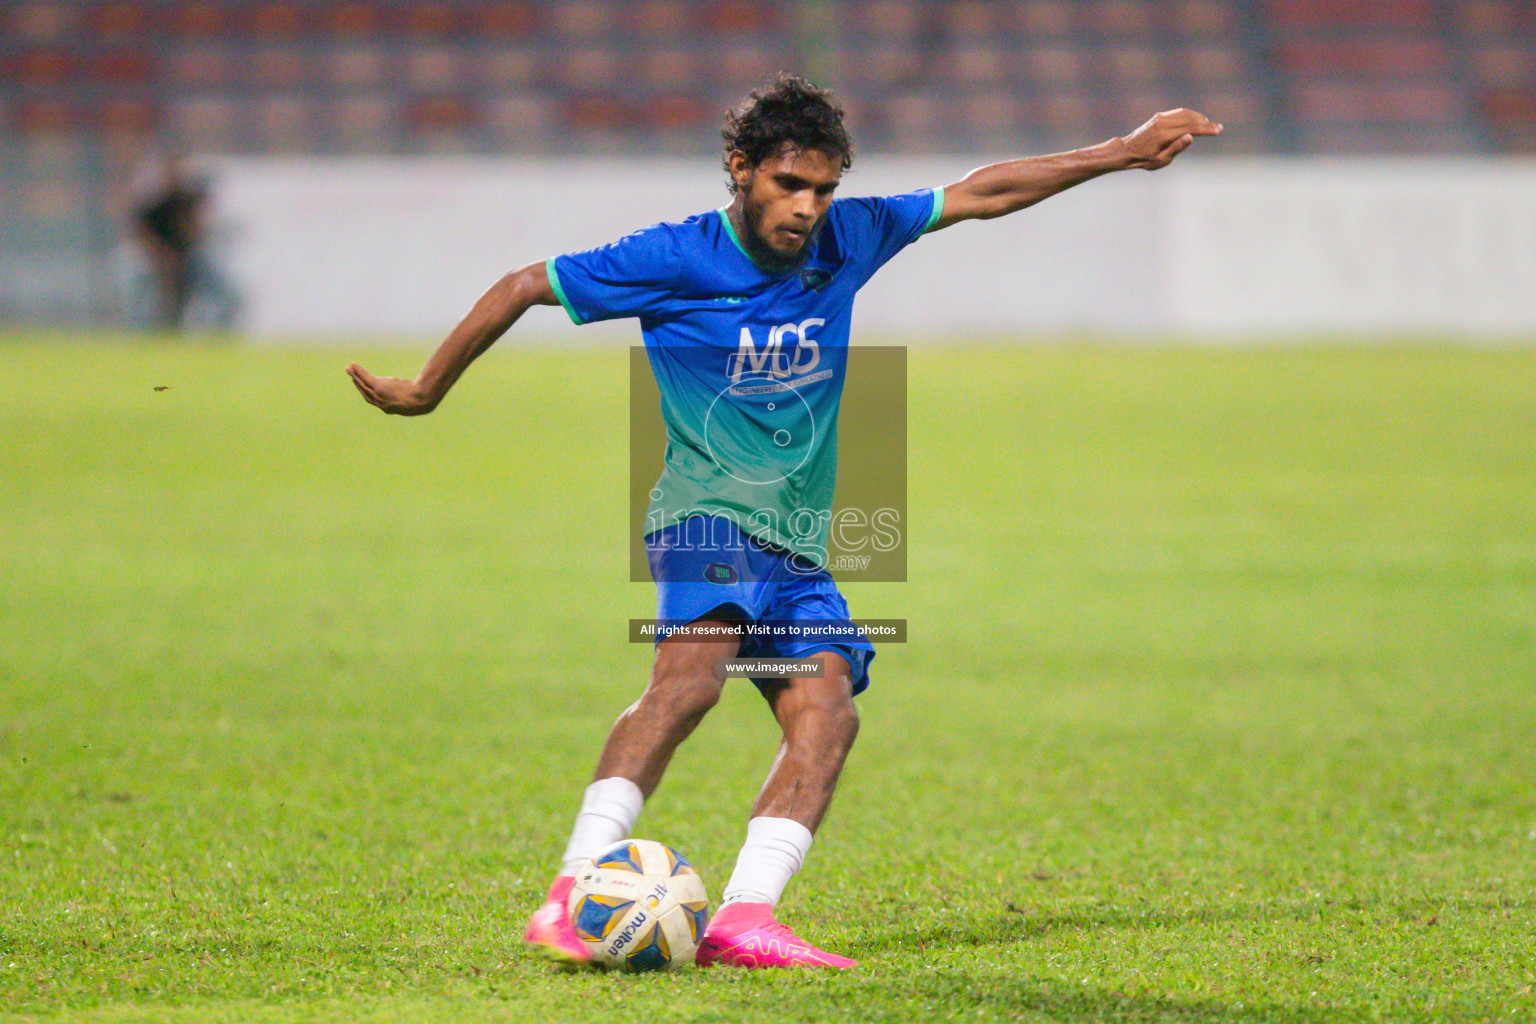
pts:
pixel 285 124
pixel 970 19
pixel 205 123
pixel 1044 19
pixel 444 122
pixel 358 64
pixel 280 67
pixel 588 68
pixel 114 22
pixel 352 18
pixel 729 18
pixel 511 69
pixel 521 123
pixel 366 123
pixel 42 22
pixel 666 70
pixel 1126 19
pixel 883 19
pixel 274 19
pixel 1205 19
pixel 199 20
pixel 506 19
pixel 664 21
pixel 435 67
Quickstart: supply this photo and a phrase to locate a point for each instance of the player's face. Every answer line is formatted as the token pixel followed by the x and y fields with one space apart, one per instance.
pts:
pixel 785 197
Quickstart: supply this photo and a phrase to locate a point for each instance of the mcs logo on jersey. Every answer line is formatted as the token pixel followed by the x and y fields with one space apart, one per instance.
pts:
pixel 772 360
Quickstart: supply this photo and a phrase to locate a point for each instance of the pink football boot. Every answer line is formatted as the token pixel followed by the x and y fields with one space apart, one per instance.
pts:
pixel 746 935
pixel 550 926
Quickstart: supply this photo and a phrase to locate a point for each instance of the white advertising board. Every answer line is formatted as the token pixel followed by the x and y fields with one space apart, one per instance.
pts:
pixel 1420 246
pixel 379 248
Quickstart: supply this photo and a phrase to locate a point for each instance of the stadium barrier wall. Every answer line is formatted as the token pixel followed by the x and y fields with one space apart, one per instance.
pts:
pixel 1217 247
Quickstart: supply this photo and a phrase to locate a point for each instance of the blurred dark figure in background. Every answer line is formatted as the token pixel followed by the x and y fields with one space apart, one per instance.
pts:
pixel 176 283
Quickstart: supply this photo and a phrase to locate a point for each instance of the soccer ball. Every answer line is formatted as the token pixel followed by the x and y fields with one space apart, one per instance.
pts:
pixel 640 906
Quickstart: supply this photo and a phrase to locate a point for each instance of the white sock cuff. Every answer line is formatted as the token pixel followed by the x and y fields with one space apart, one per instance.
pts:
pixel 617 796
pixel 786 835
pixel 609 809
pixel 774 852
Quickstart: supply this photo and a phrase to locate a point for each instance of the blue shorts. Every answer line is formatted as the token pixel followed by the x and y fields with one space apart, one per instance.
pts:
pixel 705 567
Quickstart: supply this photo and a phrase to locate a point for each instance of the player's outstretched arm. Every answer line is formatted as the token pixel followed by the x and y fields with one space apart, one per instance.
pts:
pixel 999 189
pixel 497 310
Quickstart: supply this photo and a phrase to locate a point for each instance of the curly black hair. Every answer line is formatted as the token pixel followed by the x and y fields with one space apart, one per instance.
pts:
pixel 786 110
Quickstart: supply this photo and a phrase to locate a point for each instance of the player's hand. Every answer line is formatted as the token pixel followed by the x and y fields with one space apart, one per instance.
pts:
pixel 392 394
pixel 1165 136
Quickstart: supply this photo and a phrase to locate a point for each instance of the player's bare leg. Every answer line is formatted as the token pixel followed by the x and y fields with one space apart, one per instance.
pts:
pixel 686 679
pixel 820 724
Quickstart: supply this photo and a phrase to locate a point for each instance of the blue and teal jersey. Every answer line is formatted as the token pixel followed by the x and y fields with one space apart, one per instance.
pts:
pixel 749 362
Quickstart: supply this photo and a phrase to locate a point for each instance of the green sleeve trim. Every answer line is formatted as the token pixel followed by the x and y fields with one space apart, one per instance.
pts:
pixel 554 282
pixel 731 230
pixel 938 209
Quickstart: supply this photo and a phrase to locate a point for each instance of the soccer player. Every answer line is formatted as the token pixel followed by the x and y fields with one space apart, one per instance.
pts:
pixel 745 313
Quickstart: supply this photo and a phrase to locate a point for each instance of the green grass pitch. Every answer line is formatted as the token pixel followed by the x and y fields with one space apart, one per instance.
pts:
pixel 1218 706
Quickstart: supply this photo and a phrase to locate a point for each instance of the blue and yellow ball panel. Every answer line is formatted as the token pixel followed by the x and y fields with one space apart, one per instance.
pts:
pixel 678 863
pixel 698 919
pixel 655 955
pixel 623 857
pixel 595 916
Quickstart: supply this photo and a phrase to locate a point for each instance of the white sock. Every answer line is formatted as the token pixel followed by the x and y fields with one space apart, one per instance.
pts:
pixel 775 849
pixel 608 812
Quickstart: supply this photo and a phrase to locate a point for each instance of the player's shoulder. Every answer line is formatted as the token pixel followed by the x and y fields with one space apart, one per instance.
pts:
pixel 874 206
pixel 656 250
pixel 871 213
pixel 674 239
pixel 861 222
